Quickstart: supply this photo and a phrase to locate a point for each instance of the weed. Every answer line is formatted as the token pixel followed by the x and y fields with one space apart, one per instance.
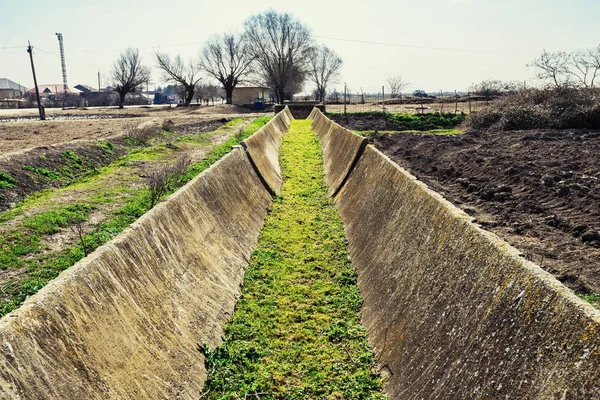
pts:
pixel 7 181
pixel 107 147
pixel 72 158
pixel 591 298
pixel 46 173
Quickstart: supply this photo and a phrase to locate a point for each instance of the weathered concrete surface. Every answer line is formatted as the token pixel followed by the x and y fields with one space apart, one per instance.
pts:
pixel 340 149
pixel 452 311
pixel 263 148
pixel 126 322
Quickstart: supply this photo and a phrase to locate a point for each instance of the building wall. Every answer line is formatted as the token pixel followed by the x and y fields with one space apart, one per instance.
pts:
pixel 9 94
pixel 246 95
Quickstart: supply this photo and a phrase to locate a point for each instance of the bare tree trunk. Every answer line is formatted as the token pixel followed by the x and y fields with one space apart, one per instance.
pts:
pixel 189 96
pixel 229 94
pixel 122 100
pixel 279 93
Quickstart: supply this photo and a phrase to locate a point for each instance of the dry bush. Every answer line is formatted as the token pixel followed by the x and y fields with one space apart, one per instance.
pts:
pixel 549 108
pixel 140 133
pixel 163 177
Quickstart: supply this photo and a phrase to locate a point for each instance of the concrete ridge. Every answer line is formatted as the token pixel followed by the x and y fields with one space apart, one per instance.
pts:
pixel 263 149
pixel 452 311
pixel 337 145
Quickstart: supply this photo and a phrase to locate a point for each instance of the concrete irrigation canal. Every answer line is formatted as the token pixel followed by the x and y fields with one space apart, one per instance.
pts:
pixel 240 286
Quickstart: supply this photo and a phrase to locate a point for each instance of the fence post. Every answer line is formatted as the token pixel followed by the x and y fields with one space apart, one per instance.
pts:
pixel 345 91
pixel 469 94
pixel 456 107
pixel 442 101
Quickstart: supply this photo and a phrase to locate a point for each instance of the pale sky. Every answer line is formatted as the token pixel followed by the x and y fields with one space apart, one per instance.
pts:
pixel 434 44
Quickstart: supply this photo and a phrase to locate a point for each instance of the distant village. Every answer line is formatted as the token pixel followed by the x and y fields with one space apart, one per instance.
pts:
pixel 15 95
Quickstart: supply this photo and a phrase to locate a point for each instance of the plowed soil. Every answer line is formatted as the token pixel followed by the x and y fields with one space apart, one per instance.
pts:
pixel 538 190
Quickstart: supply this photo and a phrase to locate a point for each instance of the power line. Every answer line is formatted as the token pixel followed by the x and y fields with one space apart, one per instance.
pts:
pixel 425 47
pixel 72 60
pixel 141 48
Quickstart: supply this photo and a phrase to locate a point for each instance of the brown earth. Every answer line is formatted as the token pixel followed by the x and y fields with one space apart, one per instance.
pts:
pixel 538 190
pixel 18 131
pixel 92 155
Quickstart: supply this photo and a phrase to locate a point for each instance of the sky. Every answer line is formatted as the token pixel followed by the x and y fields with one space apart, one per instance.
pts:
pixel 433 44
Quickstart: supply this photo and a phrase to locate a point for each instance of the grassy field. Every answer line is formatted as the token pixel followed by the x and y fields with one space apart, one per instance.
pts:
pixel 295 333
pixel 53 229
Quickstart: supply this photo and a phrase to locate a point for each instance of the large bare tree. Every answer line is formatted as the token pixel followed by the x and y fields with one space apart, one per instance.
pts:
pixel 281 46
pixel 323 68
pixel 128 74
pixel 227 59
pixel 397 84
pixel 177 71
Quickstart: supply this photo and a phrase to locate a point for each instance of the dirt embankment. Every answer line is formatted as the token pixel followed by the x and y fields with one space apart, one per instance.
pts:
pixel 538 190
pixel 25 172
pixel 19 131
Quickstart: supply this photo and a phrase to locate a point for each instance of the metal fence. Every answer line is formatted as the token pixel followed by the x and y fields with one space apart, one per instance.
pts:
pixel 409 102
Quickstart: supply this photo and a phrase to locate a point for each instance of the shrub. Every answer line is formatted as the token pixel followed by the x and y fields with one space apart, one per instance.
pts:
pixel 556 108
pixel 140 133
pixel 163 177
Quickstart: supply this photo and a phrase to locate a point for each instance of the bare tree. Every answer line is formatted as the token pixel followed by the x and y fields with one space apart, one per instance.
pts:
pixel 323 69
pixel 128 74
pixel 593 57
pixel 227 59
pixel 553 67
pixel 585 66
pixel 397 85
pixel 178 72
pixel 281 46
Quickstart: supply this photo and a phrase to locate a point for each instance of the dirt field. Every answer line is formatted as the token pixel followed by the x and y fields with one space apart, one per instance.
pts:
pixel 538 190
pixel 24 133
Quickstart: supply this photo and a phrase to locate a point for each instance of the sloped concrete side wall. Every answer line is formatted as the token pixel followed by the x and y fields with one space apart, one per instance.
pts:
pixel 126 322
pixel 263 148
pixel 452 311
pixel 340 146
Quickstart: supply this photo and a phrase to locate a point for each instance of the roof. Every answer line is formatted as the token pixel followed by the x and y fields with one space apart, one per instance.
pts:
pixel 6 83
pixel 57 88
pixel 85 88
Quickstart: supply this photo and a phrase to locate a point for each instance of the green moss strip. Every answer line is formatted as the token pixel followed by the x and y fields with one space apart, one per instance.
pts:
pixel 295 333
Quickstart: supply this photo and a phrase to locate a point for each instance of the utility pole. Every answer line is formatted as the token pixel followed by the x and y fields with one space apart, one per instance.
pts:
pixel 37 90
pixel 99 90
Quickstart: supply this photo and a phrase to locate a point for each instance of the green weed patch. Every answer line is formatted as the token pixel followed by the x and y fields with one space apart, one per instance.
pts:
pixel 295 333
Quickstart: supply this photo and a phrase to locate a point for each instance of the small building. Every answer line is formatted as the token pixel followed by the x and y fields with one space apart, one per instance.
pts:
pixel 244 95
pixel 49 91
pixel 10 89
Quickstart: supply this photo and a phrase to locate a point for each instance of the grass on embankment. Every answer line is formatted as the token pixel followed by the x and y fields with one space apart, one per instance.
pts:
pixel 295 333
pixel 26 262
